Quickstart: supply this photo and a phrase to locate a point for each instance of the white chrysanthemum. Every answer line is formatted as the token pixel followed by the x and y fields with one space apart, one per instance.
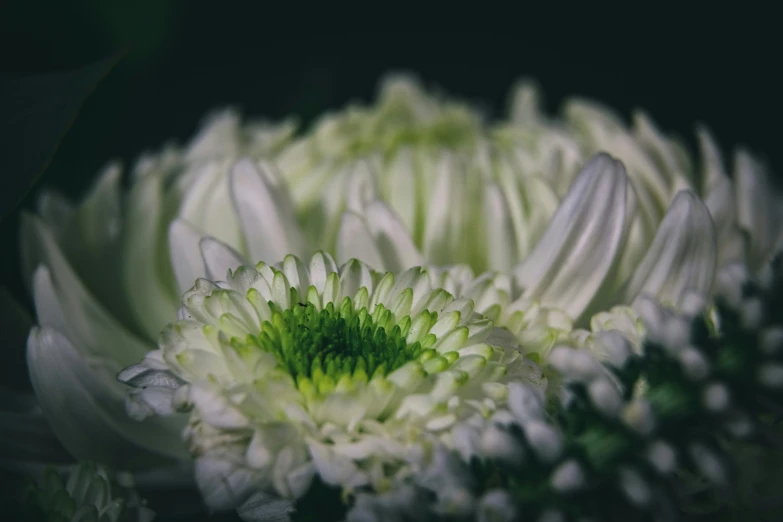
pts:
pixel 381 184
pixel 297 369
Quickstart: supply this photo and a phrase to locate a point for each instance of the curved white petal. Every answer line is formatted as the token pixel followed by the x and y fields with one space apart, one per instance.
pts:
pixel 402 185
pixel 266 508
pixel 525 102
pixel 720 202
pixel 86 234
pixel 62 301
pixel 85 407
pixel 185 254
pixel 354 241
pixel 223 485
pixel 443 230
pixel 218 259
pixel 500 230
pixel 56 211
pixel 265 211
pixel 713 169
pixel 604 131
pixel 361 187
pixel 682 256
pixel 580 246
pixel 392 239
pixel 217 136
pixel 147 279
pixel 661 151
pixel 206 202
pixel 757 210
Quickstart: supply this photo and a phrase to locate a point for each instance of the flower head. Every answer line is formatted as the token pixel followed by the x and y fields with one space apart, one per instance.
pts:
pixel 296 369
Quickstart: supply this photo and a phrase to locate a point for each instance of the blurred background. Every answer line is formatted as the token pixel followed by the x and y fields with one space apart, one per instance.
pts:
pixel 183 59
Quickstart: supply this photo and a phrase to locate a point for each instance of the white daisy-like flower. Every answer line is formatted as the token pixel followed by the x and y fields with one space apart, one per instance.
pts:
pixel 297 369
pixel 568 247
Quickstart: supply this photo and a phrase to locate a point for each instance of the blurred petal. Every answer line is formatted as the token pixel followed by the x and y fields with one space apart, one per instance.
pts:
pixel 713 169
pixel 85 407
pixel 500 229
pixel 758 210
pixel 392 239
pixel 185 254
pixel 266 508
pixel 62 301
pixel 148 282
pixel 265 211
pixel 581 245
pixel 218 259
pixel 354 241
pixel 443 229
pixel 223 485
pixel 682 256
pixel 56 211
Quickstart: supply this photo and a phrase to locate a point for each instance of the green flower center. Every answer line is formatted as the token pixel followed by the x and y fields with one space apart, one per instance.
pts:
pixel 322 349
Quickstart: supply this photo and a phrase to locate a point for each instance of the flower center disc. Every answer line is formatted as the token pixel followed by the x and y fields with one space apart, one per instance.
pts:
pixel 330 345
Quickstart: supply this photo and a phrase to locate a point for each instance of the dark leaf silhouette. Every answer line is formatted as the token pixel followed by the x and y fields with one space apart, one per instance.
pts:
pixel 35 113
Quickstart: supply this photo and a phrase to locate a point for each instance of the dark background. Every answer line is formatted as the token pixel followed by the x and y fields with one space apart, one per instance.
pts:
pixel 183 59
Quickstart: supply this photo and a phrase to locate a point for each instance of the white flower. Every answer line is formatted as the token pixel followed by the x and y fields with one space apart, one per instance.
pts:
pixel 296 369
pixel 570 241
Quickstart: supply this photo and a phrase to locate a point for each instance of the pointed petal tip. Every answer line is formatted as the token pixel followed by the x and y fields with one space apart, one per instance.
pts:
pixel 218 258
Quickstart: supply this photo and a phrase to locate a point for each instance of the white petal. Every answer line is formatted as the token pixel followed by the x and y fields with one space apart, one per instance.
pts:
pixel 500 230
pixel 185 254
pixel 401 181
pixel 335 469
pixel 90 242
pixel 223 485
pixel 361 188
pixel 268 221
pixel 321 265
pixel 262 507
pixel 354 241
pixel 525 102
pixel 215 409
pixel 391 238
pixel 682 256
pixel 147 284
pixel 206 201
pixel 63 303
pixel 713 169
pixel 720 201
pixel 757 210
pixel 217 136
pixel 86 408
pixel 56 211
pixel 218 259
pixel 353 276
pixel 580 247
pixel 443 229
